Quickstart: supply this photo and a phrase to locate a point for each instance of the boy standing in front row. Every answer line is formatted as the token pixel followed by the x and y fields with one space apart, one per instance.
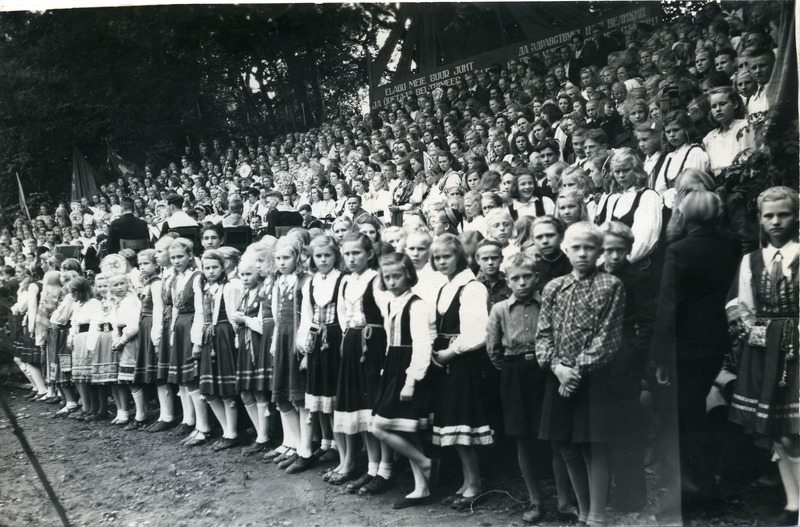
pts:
pixel 510 342
pixel 579 334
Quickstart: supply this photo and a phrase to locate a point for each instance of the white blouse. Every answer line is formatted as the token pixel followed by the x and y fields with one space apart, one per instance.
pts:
pixel 723 147
pixel 90 312
pixel 646 220
pixel 694 157
pixel 747 304
pixel 324 287
pixel 350 307
pixel 423 331
pixel 472 311
pixel 231 292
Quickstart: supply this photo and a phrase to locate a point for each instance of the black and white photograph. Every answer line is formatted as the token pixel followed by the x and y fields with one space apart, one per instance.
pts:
pixel 399 264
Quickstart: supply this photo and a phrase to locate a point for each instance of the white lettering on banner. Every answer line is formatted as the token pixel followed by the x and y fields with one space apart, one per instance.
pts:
pixel 451 74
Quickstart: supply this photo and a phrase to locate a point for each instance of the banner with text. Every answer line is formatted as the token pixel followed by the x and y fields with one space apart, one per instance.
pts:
pixel 449 74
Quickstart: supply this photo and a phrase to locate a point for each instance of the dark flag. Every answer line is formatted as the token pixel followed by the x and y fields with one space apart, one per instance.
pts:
pixel 125 169
pixel 83 177
pixel 23 204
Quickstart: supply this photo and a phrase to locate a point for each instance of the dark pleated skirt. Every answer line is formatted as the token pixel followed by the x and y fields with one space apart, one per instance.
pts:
pixel 146 369
pixel 323 371
pixel 588 416
pixel 288 381
pixel 253 368
pixel 165 350
pixel 357 384
pixel 29 352
pixel 217 368
pixel 760 403
pixel 59 358
pixel 390 413
pixel 466 400
pixel 522 384
pixel 105 361
pixel 181 362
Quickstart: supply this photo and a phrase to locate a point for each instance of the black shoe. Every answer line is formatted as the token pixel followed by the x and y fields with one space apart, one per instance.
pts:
pixel 378 485
pixel 329 456
pixel 787 518
pixel 355 486
pixel 162 426
pixel 255 448
pixel 411 502
pixel 135 425
pixel 301 464
pixel 226 443
pixel 291 458
pixel 183 430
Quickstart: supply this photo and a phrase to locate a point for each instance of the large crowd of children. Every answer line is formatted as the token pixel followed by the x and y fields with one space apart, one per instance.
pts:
pixel 535 253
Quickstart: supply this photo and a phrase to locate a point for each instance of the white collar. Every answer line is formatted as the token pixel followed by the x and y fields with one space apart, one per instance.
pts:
pixel 788 252
pixel 398 303
pixel 462 278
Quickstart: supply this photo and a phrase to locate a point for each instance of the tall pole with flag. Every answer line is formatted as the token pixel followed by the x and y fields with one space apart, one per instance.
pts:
pixel 22 203
pixel 83 177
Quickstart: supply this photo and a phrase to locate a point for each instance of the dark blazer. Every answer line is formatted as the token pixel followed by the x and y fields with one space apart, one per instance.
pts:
pixel 128 227
pixel 574 73
pixel 691 321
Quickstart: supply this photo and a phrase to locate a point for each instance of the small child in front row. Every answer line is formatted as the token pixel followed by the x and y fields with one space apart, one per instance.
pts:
pixel 401 403
pixel 578 335
pixel 321 337
pixel 289 376
pixel 217 371
pixel 252 382
pixel 510 342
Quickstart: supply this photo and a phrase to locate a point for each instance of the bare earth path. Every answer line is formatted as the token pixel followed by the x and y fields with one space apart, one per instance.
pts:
pixel 106 476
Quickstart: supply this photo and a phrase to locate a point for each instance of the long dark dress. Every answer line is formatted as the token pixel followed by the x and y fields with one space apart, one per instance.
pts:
pixel 253 360
pixel 323 358
pixel 389 411
pixel 363 353
pixel 288 380
pixel 465 393
pixel 181 361
pixel 162 368
pixel 767 395
pixel 217 368
pixel 146 369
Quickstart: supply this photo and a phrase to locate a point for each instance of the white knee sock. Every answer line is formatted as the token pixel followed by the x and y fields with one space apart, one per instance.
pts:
pixel 231 418
pixel 291 428
pixel 200 411
pixel 187 405
pixel 262 424
pixel 218 407
pixel 139 402
pixel 165 402
pixel 789 468
pixel 305 431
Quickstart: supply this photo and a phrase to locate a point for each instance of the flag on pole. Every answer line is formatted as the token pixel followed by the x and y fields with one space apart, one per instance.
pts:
pixel 84 179
pixel 22 203
pixel 125 169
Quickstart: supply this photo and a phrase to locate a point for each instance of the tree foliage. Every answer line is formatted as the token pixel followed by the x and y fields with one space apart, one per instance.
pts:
pixel 148 79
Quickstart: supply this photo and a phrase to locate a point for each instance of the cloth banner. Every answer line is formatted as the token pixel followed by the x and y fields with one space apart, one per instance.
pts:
pixel 84 177
pixel 125 169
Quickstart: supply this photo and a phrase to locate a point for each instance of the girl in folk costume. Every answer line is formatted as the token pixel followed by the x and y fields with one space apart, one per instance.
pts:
pixel 401 403
pixel 59 356
pixel 148 341
pixel 466 385
pixel 26 355
pixel 82 338
pixel 321 336
pixel 765 400
pixel 683 152
pixel 264 254
pixel 363 351
pixel 289 374
pixel 125 313
pixel 48 301
pixel 252 382
pixel 218 356
pixel 166 391
pixel 186 340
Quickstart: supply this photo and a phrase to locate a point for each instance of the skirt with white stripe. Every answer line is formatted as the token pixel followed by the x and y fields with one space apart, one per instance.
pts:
pixel 218 363
pixel 359 374
pixel 465 396
pixel 390 413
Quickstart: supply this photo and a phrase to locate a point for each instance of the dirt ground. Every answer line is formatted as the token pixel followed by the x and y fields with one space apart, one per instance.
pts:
pixel 106 476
